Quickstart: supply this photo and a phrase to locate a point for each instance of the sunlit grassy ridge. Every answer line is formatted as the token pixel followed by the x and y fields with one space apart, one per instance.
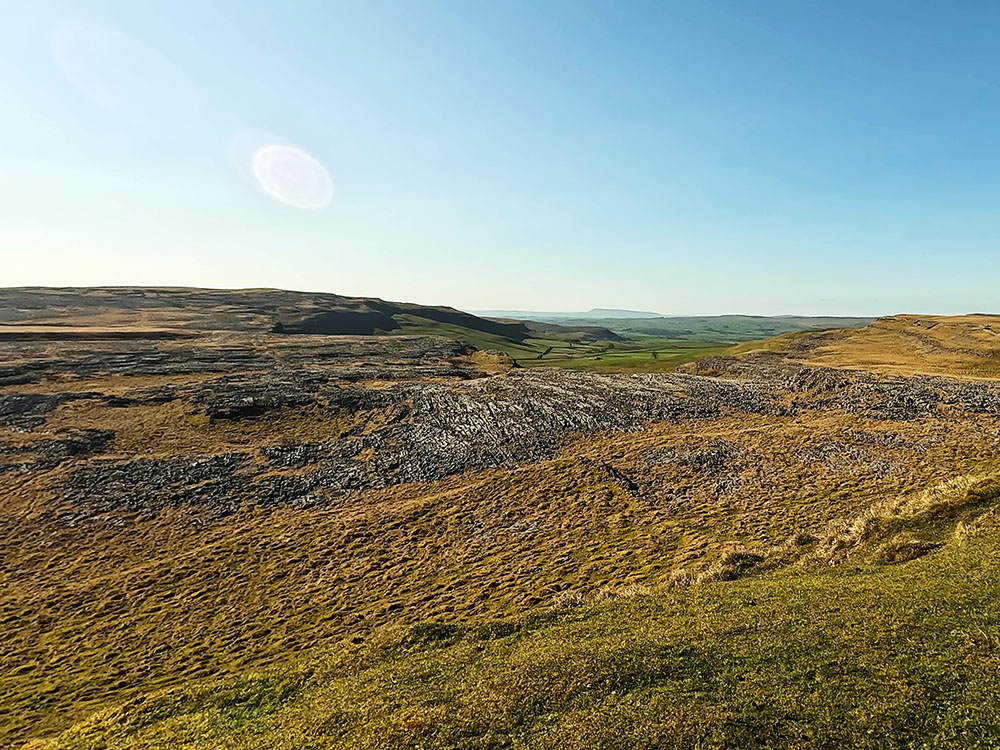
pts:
pixel 967 346
pixel 868 657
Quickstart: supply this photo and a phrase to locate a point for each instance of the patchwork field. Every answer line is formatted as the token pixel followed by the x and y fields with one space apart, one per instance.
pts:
pixel 249 538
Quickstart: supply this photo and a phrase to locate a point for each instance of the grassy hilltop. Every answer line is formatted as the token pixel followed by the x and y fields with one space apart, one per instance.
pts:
pixel 962 346
pixel 242 538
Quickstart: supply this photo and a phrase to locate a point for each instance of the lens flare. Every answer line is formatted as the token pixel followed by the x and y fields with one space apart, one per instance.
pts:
pixel 292 176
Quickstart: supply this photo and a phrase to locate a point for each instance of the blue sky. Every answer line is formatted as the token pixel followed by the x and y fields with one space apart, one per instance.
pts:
pixel 685 157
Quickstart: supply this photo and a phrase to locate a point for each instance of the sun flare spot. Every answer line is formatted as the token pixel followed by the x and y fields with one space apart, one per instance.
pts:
pixel 292 176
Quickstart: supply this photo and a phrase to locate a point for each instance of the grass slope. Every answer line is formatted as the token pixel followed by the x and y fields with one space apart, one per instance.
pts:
pixel 172 598
pixel 964 346
pixel 817 580
pixel 874 656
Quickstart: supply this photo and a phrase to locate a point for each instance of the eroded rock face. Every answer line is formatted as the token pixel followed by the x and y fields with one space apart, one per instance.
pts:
pixel 244 398
pixel 147 485
pixel 26 409
pixel 406 432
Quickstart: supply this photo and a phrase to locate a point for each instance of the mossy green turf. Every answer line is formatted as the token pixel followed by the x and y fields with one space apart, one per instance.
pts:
pixel 874 656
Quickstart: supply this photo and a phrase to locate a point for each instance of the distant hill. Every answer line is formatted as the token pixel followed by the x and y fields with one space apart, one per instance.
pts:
pixel 151 312
pixel 44 313
pixel 723 328
pixel 592 314
pixel 600 312
pixel 189 309
pixel 719 328
pixel 600 339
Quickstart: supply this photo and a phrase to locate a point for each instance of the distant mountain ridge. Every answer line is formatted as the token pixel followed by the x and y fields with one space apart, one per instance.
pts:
pixel 195 309
pixel 637 325
pixel 92 313
pixel 592 314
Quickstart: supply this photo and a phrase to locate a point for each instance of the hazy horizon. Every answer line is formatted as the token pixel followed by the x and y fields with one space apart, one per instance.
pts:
pixel 691 160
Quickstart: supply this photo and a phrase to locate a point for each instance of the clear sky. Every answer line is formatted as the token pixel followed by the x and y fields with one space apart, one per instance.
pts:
pixel 685 157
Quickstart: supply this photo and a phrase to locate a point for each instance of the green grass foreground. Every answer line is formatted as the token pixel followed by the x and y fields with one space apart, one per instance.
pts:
pixel 882 656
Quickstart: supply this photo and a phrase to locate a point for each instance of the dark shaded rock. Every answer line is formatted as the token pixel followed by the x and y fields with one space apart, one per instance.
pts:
pixel 26 410
pixel 150 484
pixel 77 443
pixel 17 376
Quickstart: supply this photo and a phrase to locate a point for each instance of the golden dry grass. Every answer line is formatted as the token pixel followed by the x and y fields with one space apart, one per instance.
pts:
pixel 958 346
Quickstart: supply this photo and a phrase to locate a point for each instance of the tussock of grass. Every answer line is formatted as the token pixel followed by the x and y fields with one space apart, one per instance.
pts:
pixel 918 523
pixel 732 565
pixel 903 548
pixel 932 512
